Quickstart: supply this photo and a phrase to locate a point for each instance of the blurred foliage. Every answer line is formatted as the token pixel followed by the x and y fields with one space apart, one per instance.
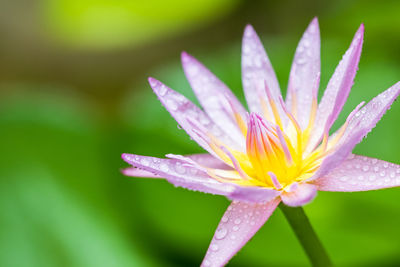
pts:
pixel 111 23
pixel 63 199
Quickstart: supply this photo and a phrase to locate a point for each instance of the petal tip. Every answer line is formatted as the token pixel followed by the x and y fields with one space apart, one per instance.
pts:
pixel 125 157
pixel 153 82
pixel 185 57
pixel 314 20
pixel 248 30
pixel 313 27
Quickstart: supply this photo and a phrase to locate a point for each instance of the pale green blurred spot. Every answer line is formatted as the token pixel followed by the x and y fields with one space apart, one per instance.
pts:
pixel 115 23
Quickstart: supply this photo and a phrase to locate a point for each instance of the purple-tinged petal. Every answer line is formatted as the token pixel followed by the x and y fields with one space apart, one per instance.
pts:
pixel 179 173
pixel 302 195
pixel 253 194
pixel 256 72
pixel 135 172
pixel 214 96
pixel 359 126
pixel 359 173
pixel 209 161
pixel 186 114
pixel 338 89
pixel 304 74
pixel 239 223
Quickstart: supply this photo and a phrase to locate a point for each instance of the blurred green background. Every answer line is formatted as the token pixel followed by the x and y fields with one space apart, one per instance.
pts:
pixel 74 96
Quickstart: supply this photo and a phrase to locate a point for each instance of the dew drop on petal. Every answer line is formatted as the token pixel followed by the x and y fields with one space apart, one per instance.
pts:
pixel 214 247
pixel 163 90
pixel 237 221
pixel 164 167
pixel 221 233
pixel 145 162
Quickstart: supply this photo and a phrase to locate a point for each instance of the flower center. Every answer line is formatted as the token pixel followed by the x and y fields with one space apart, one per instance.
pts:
pixel 277 151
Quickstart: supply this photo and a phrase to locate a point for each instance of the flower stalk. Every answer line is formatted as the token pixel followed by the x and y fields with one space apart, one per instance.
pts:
pixel 305 233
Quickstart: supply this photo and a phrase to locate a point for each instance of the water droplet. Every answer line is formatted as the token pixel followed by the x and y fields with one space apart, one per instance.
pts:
pixel 221 233
pixel 385 164
pixel 237 221
pixel 207 263
pixel 171 104
pixel 372 178
pixel 246 48
pixel 225 219
pixel 343 178
pixel 233 237
pixel 382 173
pixel 360 178
pixel 358 166
pixel 164 167
pixel 214 247
pixel 145 162
pixel 163 90
pixel 392 174
pixel 180 169
pixel 301 61
pixel 235 228
pixel 365 168
pixel 376 169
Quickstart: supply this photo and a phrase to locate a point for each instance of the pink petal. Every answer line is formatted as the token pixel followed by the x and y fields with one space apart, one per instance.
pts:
pixel 304 73
pixel 239 223
pixel 185 112
pixel 359 173
pixel 359 126
pixel 253 194
pixel 303 194
pixel 135 172
pixel 214 96
pixel 179 173
pixel 256 71
pixel 209 161
pixel 338 88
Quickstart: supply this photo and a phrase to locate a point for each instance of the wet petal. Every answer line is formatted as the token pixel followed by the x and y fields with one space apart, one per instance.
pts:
pixel 135 172
pixel 239 223
pixel 359 173
pixel 214 96
pixel 304 74
pixel 186 114
pixel 253 194
pixel 359 126
pixel 208 161
pixel 179 173
pixel 303 194
pixel 338 88
pixel 256 71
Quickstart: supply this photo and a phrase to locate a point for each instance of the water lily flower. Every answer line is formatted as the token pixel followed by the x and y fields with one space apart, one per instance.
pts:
pixel 281 150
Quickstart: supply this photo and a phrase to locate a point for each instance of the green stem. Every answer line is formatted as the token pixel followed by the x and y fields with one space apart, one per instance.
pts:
pixel 306 235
